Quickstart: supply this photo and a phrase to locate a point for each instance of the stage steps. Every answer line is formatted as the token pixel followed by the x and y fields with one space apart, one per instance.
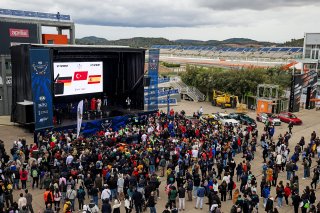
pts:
pixel 187 92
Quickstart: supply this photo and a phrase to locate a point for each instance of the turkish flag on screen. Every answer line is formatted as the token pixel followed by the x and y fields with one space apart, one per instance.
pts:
pixel 80 75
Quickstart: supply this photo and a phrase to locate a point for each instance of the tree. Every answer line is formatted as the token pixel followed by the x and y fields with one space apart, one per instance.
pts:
pixel 236 82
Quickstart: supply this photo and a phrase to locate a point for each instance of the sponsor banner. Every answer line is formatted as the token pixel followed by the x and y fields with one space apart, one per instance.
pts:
pixel 299 85
pixel 114 123
pixel 153 67
pixel 19 33
pixel 41 88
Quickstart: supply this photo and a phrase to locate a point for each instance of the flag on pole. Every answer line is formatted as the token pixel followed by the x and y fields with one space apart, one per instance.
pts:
pixel 79 117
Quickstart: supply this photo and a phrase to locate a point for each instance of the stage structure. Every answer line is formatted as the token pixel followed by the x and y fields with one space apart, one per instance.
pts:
pixel 51 78
pixel 304 84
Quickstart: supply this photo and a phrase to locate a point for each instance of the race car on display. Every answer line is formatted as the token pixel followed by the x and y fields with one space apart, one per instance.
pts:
pixel 269 117
pixel 288 117
pixel 243 119
pixel 226 119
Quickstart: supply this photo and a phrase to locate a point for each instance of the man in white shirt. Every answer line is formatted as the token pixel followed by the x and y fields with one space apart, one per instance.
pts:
pixel 69 159
pixel 144 138
pixel 195 153
pixel 106 194
pixel 22 201
pixel 120 184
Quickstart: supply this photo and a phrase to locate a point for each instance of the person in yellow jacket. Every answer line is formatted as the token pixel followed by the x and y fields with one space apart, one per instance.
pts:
pixel 269 173
pixel 67 206
pixel 235 196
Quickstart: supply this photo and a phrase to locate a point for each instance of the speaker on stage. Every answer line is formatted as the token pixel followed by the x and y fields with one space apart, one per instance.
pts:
pixel 58 88
pixel 25 113
pixel 146 81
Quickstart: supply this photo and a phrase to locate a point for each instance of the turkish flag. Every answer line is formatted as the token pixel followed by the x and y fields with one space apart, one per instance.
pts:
pixel 80 75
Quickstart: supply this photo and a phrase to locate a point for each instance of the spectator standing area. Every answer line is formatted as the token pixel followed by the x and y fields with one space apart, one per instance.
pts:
pixel 10 134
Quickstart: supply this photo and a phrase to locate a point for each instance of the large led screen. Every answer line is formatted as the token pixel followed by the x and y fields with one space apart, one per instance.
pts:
pixel 75 78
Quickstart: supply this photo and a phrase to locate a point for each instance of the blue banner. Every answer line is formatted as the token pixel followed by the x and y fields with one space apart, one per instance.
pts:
pixel 21 13
pixel 115 123
pixel 153 67
pixel 41 84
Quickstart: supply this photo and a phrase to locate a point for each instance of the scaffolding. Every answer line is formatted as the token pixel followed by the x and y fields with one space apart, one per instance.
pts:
pixel 268 92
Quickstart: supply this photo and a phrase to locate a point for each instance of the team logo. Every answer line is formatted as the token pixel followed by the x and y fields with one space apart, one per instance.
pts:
pixel 40 67
pixel 42 98
pixel 42 105
pixel 41 120
pixel 153 64
pixel 19 33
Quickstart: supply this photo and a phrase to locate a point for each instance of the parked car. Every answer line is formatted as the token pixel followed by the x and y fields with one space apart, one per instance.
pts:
pixel 288 117
pixel 209 119
pixel 225 118
pixel 270 117
pixel 243 119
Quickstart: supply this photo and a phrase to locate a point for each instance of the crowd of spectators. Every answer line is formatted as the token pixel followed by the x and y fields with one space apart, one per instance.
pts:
pixel 193 159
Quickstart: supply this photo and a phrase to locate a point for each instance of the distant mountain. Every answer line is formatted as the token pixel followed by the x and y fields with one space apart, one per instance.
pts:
pixel 92 40
pixel 142 42
pixel 239 40
pixel 148 42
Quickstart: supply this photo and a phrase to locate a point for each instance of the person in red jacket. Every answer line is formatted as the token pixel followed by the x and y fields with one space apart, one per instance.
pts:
pixel 93 104
pixel 24 178
pixel 287 193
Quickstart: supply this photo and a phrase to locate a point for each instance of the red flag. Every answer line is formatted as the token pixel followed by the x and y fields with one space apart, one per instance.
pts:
pixel 80 75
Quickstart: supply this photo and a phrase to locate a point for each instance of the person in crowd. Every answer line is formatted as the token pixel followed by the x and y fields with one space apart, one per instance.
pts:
pixel 29 199
pixel 116 206
pixel 22 202
pixel 106 206
pixel 67 206
pixel 200 197
pixel 71 195
pixel 48 197
pixel 57 198
pixel 182 197
pixel 81 195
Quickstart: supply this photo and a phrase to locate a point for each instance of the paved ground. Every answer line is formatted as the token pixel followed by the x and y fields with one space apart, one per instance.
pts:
pixel 10 133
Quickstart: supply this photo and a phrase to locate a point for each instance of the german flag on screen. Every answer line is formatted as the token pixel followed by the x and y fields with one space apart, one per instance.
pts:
pixel 65 80
pixel 94 79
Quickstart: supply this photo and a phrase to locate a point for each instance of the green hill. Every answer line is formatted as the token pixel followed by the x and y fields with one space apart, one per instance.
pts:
pixel 148 42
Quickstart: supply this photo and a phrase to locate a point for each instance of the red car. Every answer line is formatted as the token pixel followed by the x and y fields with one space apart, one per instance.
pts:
pixel 288 117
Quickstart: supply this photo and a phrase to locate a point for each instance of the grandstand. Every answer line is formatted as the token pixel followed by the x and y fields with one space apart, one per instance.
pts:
pixel 232 53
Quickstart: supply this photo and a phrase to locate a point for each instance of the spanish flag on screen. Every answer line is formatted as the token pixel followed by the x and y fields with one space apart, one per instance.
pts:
pixel 94 79
pixel 65 80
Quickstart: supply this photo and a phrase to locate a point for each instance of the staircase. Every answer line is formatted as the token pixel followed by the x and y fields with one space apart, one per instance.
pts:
pixel 188 92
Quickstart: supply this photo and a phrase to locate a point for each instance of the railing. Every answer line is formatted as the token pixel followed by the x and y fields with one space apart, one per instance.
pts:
pixel 191 92
pixel 34 15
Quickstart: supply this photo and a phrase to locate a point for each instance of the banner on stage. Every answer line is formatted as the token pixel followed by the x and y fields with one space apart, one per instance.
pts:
pixel 41 88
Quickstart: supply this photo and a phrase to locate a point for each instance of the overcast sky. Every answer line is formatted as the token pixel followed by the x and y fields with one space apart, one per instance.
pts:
pixel 264 20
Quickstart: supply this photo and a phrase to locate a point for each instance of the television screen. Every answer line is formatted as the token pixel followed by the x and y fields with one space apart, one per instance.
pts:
pixel 75 78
